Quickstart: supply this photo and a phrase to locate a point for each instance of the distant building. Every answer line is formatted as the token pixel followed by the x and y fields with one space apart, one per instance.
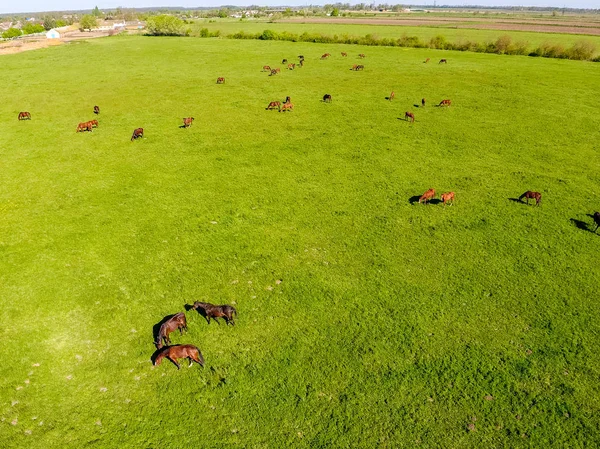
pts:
pixel 53 34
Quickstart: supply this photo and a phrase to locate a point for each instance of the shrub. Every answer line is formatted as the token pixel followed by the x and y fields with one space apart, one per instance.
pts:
pixel 164 25
pixel 11 33
pixel 268 35
pixel 503 44
pixel 32 28
pixel 87 22
pixel 582 50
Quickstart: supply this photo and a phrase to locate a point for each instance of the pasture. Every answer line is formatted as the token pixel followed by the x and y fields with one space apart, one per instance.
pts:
pixel 365 319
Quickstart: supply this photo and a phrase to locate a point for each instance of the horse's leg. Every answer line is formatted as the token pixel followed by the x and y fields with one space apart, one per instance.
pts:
pixel 175 362
pixel 190 360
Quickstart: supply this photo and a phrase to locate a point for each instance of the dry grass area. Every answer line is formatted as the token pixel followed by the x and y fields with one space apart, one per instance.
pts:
pixel 36 42
pixel 567 26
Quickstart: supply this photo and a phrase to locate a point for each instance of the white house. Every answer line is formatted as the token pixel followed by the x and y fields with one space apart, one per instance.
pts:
pixel 52 34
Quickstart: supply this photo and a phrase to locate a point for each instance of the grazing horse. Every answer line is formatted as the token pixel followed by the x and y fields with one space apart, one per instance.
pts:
pixel 273 105
pixel 86 126
pixel 291 66
pixel 392 96
pixel 24 116
pixel 409 115
pixel 597 220
pixel 286 107
pixel 288 100
pixel 96 110
pixel 284 61
pixel 426 61
pixel 300 57
pixel 358 67
pixel 302 63
pixel 275 71
pixel 327 98
pixel 445 103
pixel 533 195
pixel 211 311
pixel 427 196
pixel 443 61
pixel 177 321
pixel 325 56
pixel 190 352
pixel 93 123
pixel 220 80
pixel 187 122
pixel 137 133
pixel 423 102
pixel 266 68
pixel 344 54
pixel 361 56
pixel 447 197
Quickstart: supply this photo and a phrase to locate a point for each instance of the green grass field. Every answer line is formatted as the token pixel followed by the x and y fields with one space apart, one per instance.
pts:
pixel 395 324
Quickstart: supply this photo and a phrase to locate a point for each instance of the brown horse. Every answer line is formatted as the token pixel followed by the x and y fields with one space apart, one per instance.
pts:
pixel 443 61
pixel 325 56
pixel 86 126
pixel 96 110
pixel 427 196
pixel 392 96
pixel 361 56
pixel 211 311
pixel 302 63
pixel 24 116
pixel 288 99
pixel 344 54
pixel 275 71
pixel 94 123
pixel 286 107
pixel 137 133
pixel 447 197
pixel 596 217
pixel 409 116
pixel 531 195
pixel 358 67
pixel 273 105
pixel 445 103
pixel 177 321
pixel 291 66
pixel 427 60
pixel 284 61
pixel 190 352
pixel 266 68
pixel 327 98
pixel 220 80
pixel 423 102
pixel 187 122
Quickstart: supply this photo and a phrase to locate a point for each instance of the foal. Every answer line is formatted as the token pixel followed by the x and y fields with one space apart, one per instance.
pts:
pixel 214 312
pixel 190 352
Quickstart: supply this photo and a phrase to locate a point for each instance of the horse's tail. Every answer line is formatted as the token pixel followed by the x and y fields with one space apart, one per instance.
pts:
pixel 234 311
pixel 200 357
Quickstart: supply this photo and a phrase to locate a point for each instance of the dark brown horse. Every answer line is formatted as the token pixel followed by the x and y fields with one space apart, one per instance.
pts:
pixel 537 196
pixel 211 311
pixel 275 71
pixel 327 98
pixel 86 126
pixel 187 122
pixel 447 197
pixel 284 61
pixel 302 63
pixel 361 56
pixel 220 80
pixel 423 102
pixel 273 105
pixel 596 217
pixel 427 196
pixel 137 133
pixel 173 353
pixel 325 56
pixel 24 116
pixel 286 107
pixel 358 67
pixel 177 321
pixel 288 99
pixel 443 61
pixel 96 110
pixel 344 54
pixel 409 116
pixel 445 103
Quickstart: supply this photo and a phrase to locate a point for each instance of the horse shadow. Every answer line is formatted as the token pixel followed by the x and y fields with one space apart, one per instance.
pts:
pixel 415 199
pixel 516 200
pixel 416 105
pixel 200 311
pixel 581 224
pixel 156 327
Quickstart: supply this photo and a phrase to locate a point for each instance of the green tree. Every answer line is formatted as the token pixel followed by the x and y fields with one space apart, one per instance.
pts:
pixel 87 22
pixel 11 33
pixel 335 12
pixel 31 28
pixel 49 23
pixel 96 12
pixel 223 13
pixel 164 25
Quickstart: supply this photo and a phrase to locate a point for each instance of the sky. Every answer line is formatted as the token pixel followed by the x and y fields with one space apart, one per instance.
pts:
pixel 8 6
